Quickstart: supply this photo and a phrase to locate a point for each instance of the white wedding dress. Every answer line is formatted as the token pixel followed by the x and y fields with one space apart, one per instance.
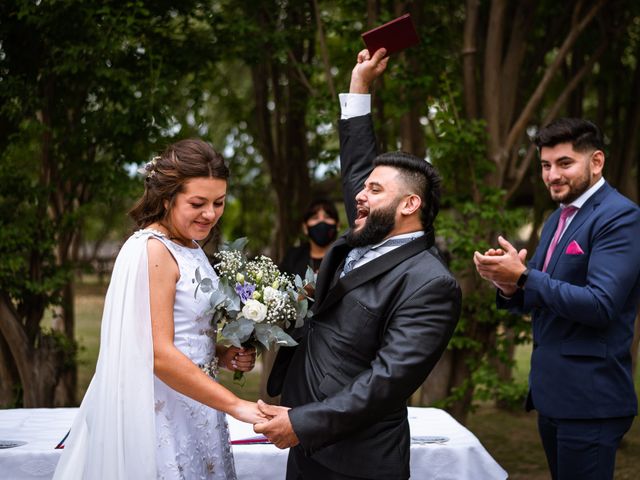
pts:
pixel 130 424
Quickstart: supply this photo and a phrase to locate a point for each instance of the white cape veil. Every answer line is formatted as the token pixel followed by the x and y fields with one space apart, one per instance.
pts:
pixel 113 434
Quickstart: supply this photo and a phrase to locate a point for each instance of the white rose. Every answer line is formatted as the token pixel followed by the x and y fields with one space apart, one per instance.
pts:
pixel 254 310
pixel 270 294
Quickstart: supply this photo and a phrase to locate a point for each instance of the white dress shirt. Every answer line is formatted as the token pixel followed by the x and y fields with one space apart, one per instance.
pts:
pixel 354 105
pixel 380 248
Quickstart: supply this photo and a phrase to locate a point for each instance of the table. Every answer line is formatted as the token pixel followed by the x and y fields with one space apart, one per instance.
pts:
pixel 461 457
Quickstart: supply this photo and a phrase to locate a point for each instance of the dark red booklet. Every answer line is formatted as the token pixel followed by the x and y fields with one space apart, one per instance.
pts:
pixel 258 439
pixel 395 35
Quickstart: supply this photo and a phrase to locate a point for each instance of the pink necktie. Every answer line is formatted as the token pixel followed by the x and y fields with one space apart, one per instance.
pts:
pixel 564 216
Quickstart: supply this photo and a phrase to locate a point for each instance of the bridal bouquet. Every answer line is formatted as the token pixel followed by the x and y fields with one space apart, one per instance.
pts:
pixel 254 301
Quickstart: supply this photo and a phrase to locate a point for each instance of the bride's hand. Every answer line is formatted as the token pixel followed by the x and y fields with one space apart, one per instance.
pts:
pixel 248 412
pixel 239 359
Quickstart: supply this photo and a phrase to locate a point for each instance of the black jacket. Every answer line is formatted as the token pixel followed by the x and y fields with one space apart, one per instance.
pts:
pixel 374 337
pixel 296 260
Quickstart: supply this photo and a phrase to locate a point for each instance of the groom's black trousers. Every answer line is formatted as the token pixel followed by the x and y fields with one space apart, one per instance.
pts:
pixel 301 467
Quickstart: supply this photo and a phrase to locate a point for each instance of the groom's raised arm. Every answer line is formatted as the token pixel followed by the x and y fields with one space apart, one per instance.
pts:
pixel 357 138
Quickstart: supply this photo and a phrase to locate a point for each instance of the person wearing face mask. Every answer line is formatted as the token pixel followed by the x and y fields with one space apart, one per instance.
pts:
pixel 320 225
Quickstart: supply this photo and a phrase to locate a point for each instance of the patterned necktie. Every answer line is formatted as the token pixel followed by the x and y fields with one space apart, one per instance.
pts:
pixel 354 255
pixel 564 216
pixel 359 252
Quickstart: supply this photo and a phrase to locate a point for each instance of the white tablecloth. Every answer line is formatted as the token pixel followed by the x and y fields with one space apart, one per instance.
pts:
pixel 461 457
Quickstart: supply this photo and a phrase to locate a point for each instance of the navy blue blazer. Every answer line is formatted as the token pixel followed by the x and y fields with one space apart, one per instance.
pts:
pixel 583 310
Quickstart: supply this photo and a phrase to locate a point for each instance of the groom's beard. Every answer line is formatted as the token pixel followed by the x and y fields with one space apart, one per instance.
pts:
pixel 378 225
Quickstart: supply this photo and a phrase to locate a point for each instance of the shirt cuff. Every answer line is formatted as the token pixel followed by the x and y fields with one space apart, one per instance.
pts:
pixel 503 296
pixel 354 105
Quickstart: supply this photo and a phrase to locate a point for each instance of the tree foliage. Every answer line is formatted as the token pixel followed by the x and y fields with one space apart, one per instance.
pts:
pixel 88 88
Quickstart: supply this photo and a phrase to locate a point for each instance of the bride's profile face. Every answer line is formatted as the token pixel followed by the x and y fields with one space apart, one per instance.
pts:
pixel 198 207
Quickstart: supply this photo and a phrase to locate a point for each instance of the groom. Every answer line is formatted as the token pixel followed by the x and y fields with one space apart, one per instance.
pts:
pixel 386 307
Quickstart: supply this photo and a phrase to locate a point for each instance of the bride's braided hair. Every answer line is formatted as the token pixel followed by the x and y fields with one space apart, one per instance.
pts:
pixel 167 173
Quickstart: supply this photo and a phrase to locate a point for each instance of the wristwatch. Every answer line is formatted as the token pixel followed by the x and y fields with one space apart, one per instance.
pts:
pixel 523 278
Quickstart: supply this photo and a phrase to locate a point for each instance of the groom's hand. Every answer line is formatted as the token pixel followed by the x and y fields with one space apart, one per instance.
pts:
pixel 278 429
pixel 367 69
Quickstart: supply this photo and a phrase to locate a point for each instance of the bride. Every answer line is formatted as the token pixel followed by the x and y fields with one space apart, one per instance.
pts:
pixel 153 408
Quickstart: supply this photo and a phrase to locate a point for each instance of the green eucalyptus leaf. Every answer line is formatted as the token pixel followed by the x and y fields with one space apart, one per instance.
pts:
pixel 238 244
pixel 217 298
pixel 310 277
pixel 238 331
pixel 272 334
pixel 302 309
pixel 263 334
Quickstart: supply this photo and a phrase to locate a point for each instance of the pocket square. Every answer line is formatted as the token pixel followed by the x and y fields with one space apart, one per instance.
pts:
pixel 574 249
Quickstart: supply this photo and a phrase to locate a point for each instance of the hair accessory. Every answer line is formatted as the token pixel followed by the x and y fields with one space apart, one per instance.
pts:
pixel 149 169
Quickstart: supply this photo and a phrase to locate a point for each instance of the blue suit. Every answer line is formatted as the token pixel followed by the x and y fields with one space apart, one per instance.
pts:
pixel 583 311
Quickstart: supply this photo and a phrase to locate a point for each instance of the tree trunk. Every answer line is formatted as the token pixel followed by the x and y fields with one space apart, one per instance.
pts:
pixel 504 369
pixel 9 379
pixel 461 378
pixel 438 383
pixel 65 394
pixel 42 373
pixel 629 156
pixel 469 54
pixel 281 97
pixel 38 366
pixel 412 133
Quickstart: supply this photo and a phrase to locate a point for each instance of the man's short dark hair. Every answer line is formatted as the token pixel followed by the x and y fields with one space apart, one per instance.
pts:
pixel 583 135
pixel 421 177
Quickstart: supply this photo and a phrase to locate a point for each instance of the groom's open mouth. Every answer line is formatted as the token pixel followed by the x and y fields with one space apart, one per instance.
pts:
pixel 361 215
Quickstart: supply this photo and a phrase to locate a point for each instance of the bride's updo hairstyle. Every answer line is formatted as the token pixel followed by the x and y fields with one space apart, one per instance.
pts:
pixel 166 175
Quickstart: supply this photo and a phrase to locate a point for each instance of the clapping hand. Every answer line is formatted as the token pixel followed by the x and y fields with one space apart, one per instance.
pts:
pixel 502 266
pixel 278 428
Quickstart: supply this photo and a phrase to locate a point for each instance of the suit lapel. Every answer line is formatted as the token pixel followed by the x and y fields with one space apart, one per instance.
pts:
pixel 547 235
pixel 581 216
pixel 369 271
pixel 332 261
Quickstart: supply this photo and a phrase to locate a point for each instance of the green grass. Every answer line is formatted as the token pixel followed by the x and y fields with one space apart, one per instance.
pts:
pixel 510 437
pixel 89 303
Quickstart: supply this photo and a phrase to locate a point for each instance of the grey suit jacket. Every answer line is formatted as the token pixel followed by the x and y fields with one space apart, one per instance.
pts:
pixel 374 337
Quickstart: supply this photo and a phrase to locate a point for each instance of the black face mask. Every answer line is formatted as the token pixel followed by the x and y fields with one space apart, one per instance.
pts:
pixel 323 233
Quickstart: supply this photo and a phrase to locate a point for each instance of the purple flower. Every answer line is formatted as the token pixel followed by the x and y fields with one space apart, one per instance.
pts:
pixel 245 290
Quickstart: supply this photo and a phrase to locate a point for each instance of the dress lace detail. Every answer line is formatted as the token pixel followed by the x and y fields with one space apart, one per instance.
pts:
pixel 192 439
pixel 142 231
